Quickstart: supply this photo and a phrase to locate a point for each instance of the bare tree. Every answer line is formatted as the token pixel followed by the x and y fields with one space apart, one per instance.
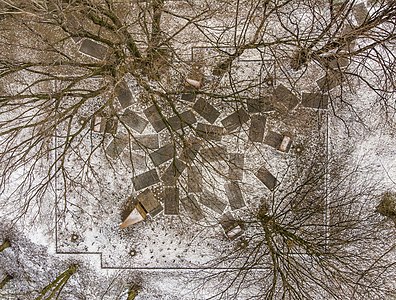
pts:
pixel 309 242
pixel 54 289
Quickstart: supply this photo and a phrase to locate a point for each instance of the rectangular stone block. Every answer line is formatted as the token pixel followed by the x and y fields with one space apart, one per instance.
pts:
pixel 188 96
pixel 234 195
pixel 360 13
pixel 148 201
pixel 148 141
pixel 232 228
pixel 93 49
pixel 211 201
pixel 182 120
pixel 124 94
pixel 284 96
pixel 209 132
pixel 133 120
pixel 315 100
pixel 267 178
pixel 257 128
pixel 173 172
pixel 192 207
pixel 206 110
pixel 235 166
pixel 155 118
pixel 194 181
pixel 163 154
pixel 116 146
pixel 171 201
pixel 146 179
pixel 235 120
pixel 273 139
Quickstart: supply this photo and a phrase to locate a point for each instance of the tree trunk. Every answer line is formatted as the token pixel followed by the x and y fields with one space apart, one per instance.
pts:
pixel 54 289
pixel 5 245
pixel 5 280
pixel 133 292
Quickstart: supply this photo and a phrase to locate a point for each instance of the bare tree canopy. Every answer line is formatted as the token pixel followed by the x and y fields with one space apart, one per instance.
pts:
pixel 197 117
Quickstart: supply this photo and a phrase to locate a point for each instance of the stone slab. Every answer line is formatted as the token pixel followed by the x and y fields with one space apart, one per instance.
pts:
pixel 360 13
pixel 93 49
pixel 172 173
pixel 182 120
pixel 192 207
pixel 315 100
pixel 211 201
pixel 235 120
pixel 257 128
pixel 194 180
pixel 232 228
pixel 209 132
pixel 235 166
pixel 155 118
pixel 116 146
pixel 149 202
pixel 143 142
pixel 206 110
pixel 267 178
pixel 188 96
pixel 170 196
pixel 146 179
pixel 273 139
pixel 133 120
pixel 285 97
pixel 163 154
pixel 234 195
pixel 124 94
